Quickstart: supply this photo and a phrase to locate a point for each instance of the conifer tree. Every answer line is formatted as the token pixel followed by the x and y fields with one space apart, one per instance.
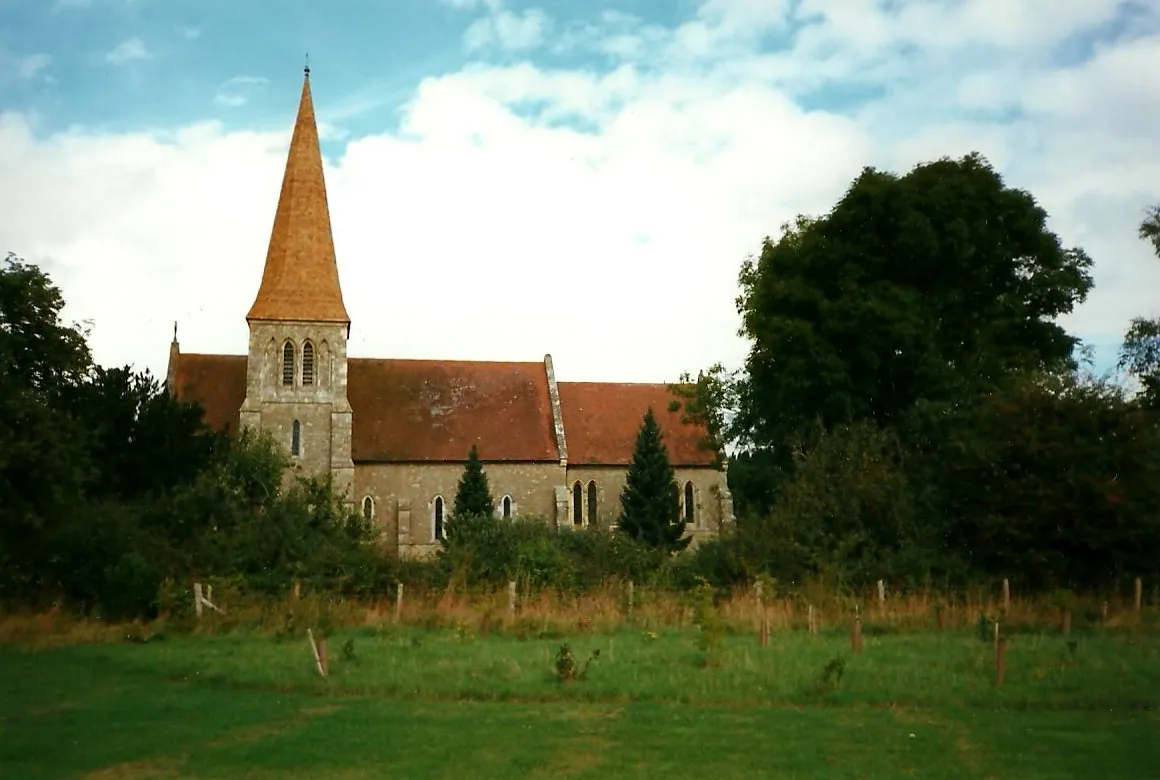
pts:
pixel 650 507
pixel 473 497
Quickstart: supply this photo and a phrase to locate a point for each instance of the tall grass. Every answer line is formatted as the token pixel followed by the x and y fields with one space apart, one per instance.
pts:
pixel 604 611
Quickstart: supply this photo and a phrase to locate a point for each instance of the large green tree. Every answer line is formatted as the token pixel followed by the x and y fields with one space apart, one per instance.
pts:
pixel 650 509
pixel 473 495
pixel 1140 352
pixel 930 285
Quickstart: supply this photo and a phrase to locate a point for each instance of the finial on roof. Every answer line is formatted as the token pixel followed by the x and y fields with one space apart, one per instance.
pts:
pixel 306 70
pixel 175 330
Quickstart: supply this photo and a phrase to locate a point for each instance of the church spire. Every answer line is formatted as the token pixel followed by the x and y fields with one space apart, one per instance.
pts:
pixel 300 280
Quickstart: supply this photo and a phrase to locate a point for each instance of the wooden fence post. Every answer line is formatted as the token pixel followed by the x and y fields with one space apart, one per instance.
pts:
pixel 1139 596
pixel 856 633
pixel 511 609
pixel 1000 648
pixel 317 654
pixel 881 593
pixel 1006 596
pixel 398 603
pixel 631 598
pixel 811 620
pixel 197 599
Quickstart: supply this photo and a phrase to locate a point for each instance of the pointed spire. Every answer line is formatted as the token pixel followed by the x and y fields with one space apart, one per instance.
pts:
pixel 300 281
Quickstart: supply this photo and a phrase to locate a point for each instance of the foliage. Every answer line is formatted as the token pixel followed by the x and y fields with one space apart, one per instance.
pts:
pixel 650 506
pixel 472 497
pixel 1150 228
pixel 1140 356
pixel 913 287
pixel 567 669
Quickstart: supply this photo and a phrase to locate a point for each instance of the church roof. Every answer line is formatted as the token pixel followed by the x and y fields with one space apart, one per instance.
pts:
pixel 300 280
pixel 217 382
pixel 413 411
pixel 601 421
pixel 434 410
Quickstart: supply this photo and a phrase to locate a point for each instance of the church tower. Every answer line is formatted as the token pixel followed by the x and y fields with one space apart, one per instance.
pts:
pixel 296 371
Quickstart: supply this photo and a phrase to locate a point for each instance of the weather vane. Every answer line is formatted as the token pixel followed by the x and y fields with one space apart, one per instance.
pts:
pixel 306 70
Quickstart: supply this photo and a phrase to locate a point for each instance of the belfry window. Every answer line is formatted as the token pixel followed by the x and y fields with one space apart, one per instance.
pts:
pixel 592 504
pixel 690 503
pixel 288 364
pixel 307 363
pixel 296 439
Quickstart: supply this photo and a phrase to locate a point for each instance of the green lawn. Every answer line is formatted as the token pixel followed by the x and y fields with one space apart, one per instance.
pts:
pixel 417 704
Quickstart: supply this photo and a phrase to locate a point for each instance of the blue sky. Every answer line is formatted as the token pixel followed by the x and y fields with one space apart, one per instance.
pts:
pixel 506 177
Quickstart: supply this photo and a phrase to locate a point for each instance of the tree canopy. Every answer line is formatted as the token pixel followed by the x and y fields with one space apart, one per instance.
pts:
pixel 912 287
pixel 473 495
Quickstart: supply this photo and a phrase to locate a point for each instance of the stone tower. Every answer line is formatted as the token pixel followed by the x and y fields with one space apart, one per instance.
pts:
pixel 296 370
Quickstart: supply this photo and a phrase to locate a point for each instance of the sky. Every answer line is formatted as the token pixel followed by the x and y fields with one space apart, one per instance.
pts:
pixel 508 179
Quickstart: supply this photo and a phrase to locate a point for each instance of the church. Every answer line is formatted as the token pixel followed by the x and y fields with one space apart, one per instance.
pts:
pixel 395 434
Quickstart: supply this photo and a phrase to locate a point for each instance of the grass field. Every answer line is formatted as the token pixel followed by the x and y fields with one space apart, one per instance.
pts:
pixel 415 703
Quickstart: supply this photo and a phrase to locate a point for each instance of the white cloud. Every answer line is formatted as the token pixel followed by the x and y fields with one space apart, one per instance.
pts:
pixel 190 33
pixel 28 67
pixel 508 30
pixel 235 92
pixel 128 51
pixel 489 227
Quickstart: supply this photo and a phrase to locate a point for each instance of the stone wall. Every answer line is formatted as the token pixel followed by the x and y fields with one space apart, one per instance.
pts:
pixel 709 493
pixel 321 407
pixel 404 496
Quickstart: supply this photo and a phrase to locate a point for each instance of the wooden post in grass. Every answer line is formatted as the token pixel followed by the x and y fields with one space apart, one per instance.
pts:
pixel 1006 596
pixel 1104 614
pixel 511 610
pixel 1138 600
pixel 318 659
pixel 811 620
pixel 1000 649
pixel 631 598
pixel 398 603
pixel 757 593
pixel 856 633
pixel 297 590
pixel 996 633
pixel 1065 622
pixel 881 593
pixel 763 634
pixel 197 599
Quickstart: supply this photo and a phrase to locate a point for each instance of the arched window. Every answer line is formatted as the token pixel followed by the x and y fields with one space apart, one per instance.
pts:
pixel 592 504
pixel 690 503
pixel 506 505
pixel 438 530
pixel 577 505
pixel 307 363
pixel 296 438
pixel 368 508
pixel 288 363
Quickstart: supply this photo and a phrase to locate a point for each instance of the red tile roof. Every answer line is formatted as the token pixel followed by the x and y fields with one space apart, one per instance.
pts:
pixel 409 410
pixel 217 382
pixel 601 421
pixel 434 410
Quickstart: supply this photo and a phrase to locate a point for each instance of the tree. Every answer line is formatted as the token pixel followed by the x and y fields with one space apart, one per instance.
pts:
pixel 1150 228
pixel 931 285
pixel 1140 352
pixel 650 508
pixel 473 497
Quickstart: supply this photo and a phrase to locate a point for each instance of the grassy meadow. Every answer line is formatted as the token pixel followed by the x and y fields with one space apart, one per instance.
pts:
pixel 679 690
